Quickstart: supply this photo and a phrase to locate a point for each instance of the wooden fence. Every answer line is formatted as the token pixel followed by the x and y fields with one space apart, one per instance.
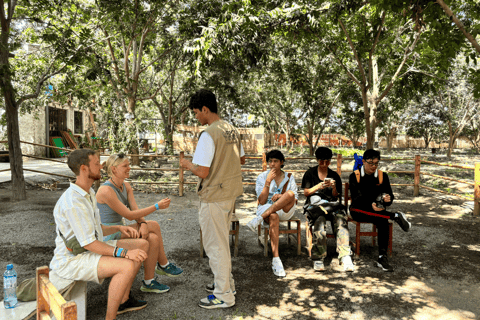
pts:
pixel 416 183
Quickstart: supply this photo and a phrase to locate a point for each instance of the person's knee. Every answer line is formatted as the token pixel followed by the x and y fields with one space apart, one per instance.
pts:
pixel 290 195
pixel 273 220
pixel 153 226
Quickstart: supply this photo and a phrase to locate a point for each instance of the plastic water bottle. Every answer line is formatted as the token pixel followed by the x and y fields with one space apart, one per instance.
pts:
pixel 10 287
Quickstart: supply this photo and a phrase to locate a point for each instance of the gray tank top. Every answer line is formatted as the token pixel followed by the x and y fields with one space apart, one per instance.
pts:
pixel 107 215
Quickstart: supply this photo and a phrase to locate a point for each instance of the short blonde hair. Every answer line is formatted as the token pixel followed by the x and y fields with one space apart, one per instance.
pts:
pixel 113 161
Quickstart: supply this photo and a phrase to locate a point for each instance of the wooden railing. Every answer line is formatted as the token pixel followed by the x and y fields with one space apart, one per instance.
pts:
pixel 339 160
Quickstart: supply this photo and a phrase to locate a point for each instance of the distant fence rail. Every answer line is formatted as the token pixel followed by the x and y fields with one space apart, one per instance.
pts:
pixel 339 160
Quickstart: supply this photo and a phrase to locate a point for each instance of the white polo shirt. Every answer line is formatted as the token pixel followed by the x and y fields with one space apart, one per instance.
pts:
pixel 75 213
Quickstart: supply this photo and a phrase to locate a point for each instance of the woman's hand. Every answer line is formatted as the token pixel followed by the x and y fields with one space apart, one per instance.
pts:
pixel 143 230
pixel 129 232
pixel 164 203
pixel 136 255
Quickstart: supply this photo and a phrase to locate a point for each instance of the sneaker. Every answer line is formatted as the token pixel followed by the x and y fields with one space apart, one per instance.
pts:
pixel 254 223
pixel 131 304
pixel 155 287
pixel 277 267
pixel 211 288
pixel 403 222
pixel 211 302
pixel 347 263
pixel 382 262
pixel 171 270
pixel 318 265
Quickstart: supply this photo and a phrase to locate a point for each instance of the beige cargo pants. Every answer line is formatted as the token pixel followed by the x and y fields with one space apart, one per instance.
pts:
pixel 214 219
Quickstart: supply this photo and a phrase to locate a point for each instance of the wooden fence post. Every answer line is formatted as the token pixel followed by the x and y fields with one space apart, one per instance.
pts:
pixel 339 164
pixel 180 176
pixel 264 161
pixel 476 200
pixel 416 183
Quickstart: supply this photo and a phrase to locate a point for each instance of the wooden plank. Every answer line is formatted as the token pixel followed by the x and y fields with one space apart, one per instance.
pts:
pixel 53 298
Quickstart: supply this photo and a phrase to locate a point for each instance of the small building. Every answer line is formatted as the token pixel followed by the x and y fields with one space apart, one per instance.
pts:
pixel 47 122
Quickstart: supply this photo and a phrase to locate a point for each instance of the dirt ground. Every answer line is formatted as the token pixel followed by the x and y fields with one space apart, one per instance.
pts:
pixel 436 263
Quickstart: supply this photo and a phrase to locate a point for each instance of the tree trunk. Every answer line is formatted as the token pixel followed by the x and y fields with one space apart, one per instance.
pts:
pixel 15 151
pixel 133 130
pixel 13 132
pixel 310 138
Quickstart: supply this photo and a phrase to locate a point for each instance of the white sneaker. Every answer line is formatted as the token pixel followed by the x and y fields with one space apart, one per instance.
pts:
pixel 347 264
pixel 254 223
pixel 318 265
pixel 277 267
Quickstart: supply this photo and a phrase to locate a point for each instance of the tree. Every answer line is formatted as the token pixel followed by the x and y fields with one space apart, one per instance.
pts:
pixel 425 123
pixel 472 132
pixel 59 29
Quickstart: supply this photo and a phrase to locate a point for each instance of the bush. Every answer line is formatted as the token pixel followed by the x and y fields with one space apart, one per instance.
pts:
pixel 348 152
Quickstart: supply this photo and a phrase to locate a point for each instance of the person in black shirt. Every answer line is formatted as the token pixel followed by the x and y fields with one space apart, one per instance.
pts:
pixel 323 189
pixel 371 194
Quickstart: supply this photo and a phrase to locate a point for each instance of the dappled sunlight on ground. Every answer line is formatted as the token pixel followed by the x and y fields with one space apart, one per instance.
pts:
pixel 327 296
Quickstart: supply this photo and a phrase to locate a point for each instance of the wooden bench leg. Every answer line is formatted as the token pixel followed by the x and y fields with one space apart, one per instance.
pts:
pixel 265 239
pixel 374 229
pixel 237 229
pixel 288 236
pixel 299 238
pixel 390 247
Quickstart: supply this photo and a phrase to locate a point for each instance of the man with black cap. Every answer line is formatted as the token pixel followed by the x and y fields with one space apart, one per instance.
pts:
pixel 323 189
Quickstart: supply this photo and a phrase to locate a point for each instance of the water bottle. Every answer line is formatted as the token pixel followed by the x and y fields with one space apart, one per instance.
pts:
pixel 10 287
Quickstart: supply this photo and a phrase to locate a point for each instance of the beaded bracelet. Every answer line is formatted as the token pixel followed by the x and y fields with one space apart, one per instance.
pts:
pixel 119 253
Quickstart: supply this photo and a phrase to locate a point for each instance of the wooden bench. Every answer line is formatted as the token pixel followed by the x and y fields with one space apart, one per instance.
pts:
pixel 234 232
pixel 50 300
pixel 289 231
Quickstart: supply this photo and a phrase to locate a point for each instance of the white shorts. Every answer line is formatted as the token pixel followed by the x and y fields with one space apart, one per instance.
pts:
pixel 281 214
pixel 83 267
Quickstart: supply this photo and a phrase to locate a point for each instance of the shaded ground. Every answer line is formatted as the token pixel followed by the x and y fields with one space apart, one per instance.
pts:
pixel 436 264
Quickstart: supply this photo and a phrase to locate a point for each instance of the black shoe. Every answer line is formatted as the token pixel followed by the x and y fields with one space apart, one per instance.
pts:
pixel 403 222
pixel 131 304
pixel 382 262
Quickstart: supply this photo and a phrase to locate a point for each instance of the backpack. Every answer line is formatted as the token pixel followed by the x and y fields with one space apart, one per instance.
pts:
pixel 378 173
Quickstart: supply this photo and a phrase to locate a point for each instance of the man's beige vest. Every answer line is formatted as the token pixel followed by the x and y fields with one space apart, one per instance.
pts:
pixel 224 180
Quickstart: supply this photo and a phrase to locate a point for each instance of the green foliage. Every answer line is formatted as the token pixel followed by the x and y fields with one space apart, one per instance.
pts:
pixel 347 152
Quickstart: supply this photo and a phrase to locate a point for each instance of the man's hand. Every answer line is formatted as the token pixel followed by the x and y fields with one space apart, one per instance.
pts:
pixel 374 206
pixel 186 164
pixel 276 197
pixel 271 176
pixel 386 198
pixel 164 203
pixel 136 255
pixel 143 230
pixel 129 232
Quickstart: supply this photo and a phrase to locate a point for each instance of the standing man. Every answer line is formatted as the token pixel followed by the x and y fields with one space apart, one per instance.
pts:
pixel 77 217
pixel 216 162
pixel 371 194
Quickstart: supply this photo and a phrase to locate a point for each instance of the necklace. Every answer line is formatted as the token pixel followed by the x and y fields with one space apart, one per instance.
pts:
pixel 115 184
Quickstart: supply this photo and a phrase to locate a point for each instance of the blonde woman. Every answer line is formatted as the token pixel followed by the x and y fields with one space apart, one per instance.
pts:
pixel 115 201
